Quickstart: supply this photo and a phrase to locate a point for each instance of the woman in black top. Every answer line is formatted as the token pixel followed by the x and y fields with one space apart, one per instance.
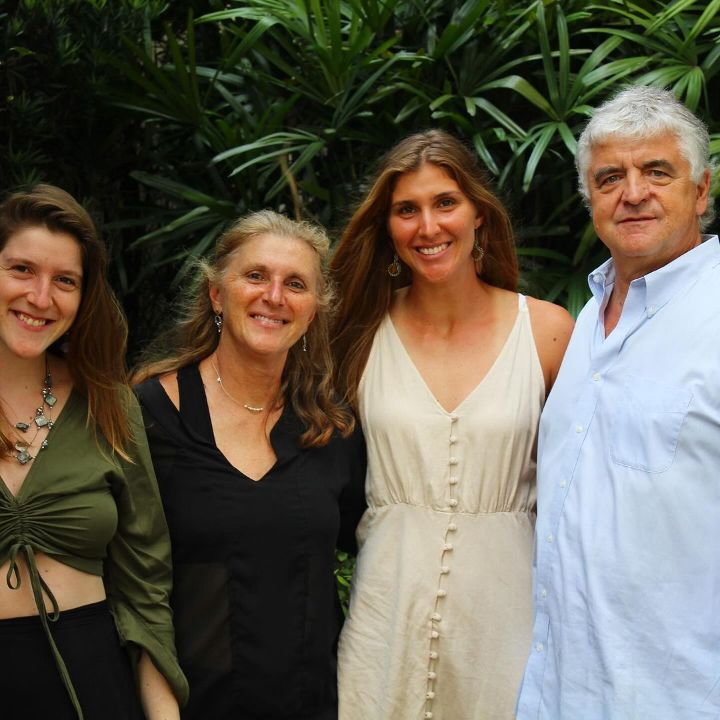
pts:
pixel 261 474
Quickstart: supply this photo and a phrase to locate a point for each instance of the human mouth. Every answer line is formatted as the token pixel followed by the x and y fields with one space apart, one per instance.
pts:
pixel 268 320
pixel 434 250
pixel 643 218
pixel 31 321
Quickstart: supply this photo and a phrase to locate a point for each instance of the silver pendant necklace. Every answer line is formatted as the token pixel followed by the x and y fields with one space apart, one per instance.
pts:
pixel 250 408
pixel 39 421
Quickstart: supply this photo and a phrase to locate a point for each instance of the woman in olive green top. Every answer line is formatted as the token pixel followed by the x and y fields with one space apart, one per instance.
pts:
pixel 84 553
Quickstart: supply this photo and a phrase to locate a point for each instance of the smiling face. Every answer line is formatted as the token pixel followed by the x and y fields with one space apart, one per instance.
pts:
pixel 40 289
pixel 432 224
pixel 645 205
pixel 268 294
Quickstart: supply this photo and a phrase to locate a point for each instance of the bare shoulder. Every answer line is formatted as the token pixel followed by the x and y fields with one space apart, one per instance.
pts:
pixel 170 386
pixel 552 326
pixel 549 318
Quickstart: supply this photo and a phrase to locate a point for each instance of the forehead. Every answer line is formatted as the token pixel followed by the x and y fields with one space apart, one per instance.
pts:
pixel 280 253
pixel 42 246
pixel 623 152
pixel 428 177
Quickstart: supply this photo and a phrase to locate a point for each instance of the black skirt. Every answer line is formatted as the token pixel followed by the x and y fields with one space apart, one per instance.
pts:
pixel 30 685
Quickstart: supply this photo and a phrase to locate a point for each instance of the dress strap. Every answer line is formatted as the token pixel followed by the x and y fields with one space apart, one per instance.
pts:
pixel 40 588
pixel 522 302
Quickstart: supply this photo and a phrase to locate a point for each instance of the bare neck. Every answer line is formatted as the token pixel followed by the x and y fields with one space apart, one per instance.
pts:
pixel 247 377
pixel 444 306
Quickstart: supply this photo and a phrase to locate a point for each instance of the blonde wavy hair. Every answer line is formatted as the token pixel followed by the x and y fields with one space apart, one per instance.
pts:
pixel 307 377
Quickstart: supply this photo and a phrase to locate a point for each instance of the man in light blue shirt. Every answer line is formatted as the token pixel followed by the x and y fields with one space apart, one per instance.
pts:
pixel 627 575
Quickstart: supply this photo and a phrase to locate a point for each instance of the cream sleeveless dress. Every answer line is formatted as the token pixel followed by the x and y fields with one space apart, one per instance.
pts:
pixel 440 618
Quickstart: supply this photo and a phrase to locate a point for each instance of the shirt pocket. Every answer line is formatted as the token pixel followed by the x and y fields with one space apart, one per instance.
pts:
pixel 649 417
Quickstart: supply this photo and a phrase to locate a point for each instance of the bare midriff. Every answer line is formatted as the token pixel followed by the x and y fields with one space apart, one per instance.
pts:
pixel 72 588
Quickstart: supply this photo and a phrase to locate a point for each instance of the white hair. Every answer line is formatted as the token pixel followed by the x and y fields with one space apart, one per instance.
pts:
pixel 642 111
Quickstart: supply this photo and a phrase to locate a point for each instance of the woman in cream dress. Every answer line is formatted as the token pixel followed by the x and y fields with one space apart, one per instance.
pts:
pixel 448 368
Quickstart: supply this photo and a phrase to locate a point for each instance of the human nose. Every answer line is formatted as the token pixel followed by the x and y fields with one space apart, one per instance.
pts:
pixel 275 292
pixel 40 293
pixel 635 189
pixel 428 223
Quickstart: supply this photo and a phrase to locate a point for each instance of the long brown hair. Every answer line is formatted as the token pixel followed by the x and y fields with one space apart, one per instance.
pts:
pixel 307 377
pixel 359 263
pixel 97 339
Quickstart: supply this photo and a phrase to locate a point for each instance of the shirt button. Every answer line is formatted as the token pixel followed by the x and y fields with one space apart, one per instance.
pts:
pixel 543 593
pixel 539 647
pixel 430 695
pixel 453 480
pixel 596 376
pixel 448 546
pixel 651 310
pixel 549 538
pixel 444 570
pixel 452 502
pixel 453 417
pixel 433 655
pixel 431 675
pixel 434 634
pixel 436 617
pixel 428 715
pixel 562 483
pixel 452 527
pixel 453 439
pixel 441 593
pixel 578 428
pixel 453 461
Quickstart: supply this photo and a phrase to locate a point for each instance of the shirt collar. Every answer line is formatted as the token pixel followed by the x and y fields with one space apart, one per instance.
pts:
pixel 663 283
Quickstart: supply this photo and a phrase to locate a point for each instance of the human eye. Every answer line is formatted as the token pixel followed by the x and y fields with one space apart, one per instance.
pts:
pixel 296 284
pixel 66 282
pixel 20 269
pixel 447 202
pixel 405 209
pixel 254 275
pixel 609 180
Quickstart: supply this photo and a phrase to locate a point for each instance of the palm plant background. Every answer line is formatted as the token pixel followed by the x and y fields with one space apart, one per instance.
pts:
pixel 169 120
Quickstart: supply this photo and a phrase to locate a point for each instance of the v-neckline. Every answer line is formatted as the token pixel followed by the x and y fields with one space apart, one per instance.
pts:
pixel 398 340
pixel 41 453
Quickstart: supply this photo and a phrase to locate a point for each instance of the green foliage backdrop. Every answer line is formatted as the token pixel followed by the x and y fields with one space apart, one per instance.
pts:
pixel 170 119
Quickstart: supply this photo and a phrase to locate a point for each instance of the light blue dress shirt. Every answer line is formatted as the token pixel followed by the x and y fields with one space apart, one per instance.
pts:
pixel 627 573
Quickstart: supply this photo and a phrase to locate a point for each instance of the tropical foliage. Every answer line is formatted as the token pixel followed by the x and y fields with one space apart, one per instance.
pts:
pixel 171 119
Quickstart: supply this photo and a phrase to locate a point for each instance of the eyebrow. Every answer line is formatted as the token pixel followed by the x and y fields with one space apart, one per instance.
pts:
pixel 266 269
pixel 660 164
pixel 30 263
pixel 437 196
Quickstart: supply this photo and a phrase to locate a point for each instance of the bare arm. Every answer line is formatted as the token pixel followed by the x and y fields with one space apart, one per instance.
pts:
pixel 552 326
pixel 157 698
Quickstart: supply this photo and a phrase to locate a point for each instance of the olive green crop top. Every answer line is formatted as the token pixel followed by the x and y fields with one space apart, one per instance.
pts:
pixel 100 514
